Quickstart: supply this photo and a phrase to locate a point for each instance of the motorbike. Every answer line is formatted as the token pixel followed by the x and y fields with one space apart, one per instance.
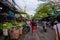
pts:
pixel 26 29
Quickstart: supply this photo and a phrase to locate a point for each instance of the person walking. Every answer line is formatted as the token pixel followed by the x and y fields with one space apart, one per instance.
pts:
pixel 44 24
pixel 33 25
pixel 56 28
pixel 28 23
pixel 52 22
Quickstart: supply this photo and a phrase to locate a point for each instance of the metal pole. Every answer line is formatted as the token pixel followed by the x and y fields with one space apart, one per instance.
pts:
pixel 15 3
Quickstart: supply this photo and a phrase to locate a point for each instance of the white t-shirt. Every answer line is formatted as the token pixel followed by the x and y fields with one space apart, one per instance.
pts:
pixel 28 23
pixel 58 26
pixel 5 32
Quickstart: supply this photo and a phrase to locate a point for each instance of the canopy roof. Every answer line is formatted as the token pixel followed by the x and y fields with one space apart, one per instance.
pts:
pixel 20 12
pixel 6 7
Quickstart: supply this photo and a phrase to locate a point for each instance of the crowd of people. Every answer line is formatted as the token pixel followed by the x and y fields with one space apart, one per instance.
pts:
pixel 52 23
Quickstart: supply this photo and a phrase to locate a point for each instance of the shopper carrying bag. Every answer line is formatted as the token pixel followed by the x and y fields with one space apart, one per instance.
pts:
pixel 56 28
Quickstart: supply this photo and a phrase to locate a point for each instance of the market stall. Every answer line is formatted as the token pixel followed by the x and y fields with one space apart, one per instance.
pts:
pixel 12 21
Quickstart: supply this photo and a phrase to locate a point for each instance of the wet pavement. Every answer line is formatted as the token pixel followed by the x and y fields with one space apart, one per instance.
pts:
pixel 39 35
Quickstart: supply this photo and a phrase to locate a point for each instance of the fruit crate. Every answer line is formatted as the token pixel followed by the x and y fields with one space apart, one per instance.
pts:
pixel 14 34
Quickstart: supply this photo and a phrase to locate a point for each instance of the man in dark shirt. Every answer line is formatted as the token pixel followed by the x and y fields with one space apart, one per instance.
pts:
pixel 33 25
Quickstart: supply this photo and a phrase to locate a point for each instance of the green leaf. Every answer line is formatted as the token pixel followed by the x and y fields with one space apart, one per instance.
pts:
pixel 46 9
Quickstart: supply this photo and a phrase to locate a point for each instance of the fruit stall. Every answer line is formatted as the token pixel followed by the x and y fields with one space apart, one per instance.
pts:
pixel 11 24
pixel 9 21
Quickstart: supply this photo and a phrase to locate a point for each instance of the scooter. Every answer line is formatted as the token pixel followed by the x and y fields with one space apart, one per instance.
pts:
pixel 26 29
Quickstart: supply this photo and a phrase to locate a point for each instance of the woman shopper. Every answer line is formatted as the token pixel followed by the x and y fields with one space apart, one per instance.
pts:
pixel 44 25
pixel 33 25
pixel 56 28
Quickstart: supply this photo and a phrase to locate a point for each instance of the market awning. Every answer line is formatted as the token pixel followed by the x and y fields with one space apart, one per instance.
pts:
pixel 17 11
pixel 6 7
